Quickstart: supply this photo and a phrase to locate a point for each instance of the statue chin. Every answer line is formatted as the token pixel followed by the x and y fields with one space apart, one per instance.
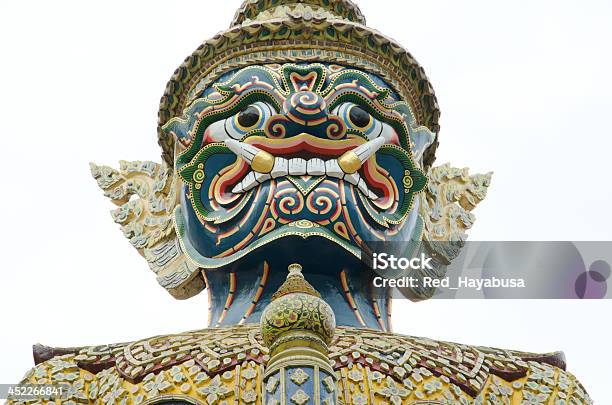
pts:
pixel 299 239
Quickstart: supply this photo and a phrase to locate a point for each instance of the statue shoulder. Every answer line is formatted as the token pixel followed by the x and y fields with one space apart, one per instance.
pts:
pixel 209 365
pixel 402 369
pixel 228 364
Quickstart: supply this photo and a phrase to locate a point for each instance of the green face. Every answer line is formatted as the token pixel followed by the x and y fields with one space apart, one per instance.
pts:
pixel 312 150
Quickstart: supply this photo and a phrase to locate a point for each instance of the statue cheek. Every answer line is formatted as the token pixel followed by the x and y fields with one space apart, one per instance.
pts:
pixel 366 229
pixel 232 231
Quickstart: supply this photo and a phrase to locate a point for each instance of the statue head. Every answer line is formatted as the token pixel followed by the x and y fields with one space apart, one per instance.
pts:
pixel 311 149
pixel 297 132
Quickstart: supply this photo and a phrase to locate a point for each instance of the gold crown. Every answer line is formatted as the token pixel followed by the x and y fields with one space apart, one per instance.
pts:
pixel 282 31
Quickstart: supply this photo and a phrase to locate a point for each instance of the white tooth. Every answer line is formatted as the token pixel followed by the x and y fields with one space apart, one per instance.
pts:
pixel 352 178
pixel 261 177
pixel 281 167
pixel 249 181
pixel 297 166
pixel 363 187
pixel 237 188
pixel 244 150
pixel 332 169
pixel 315 167
pixel 365 151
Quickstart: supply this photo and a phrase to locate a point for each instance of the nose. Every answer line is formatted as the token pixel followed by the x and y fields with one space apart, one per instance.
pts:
pixel 305 112
pixel 306 108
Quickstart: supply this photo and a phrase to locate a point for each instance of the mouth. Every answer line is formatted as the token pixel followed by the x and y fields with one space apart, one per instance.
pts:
pixel 258 189
pixel 303 155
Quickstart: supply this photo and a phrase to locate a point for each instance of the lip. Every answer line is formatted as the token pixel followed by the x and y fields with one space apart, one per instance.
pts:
pixel 305 143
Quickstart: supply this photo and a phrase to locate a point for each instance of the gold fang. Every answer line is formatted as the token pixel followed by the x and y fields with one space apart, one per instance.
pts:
pixel 262 162
pixel 349 162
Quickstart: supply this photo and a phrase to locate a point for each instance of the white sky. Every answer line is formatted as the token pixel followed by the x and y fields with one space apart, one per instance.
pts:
pixel 524 88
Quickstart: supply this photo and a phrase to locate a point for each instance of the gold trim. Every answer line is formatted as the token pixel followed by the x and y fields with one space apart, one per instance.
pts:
pixel 349 162
pixel 262 162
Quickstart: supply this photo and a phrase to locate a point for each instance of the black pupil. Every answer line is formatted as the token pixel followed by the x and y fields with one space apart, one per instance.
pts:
pixel 248 117
pixel 359 117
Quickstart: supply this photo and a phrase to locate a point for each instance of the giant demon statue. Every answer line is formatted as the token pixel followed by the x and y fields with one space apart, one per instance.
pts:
pixel 299 138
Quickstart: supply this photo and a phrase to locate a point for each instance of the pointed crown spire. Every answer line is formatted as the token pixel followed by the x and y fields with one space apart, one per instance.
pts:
pixel 264 10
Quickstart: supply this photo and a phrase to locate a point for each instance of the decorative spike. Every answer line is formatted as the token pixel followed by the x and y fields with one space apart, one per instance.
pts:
pixel 352 160
pixel 260 160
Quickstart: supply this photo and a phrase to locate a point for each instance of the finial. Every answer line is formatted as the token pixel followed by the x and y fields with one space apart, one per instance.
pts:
pixel 297 309
pixel 295 283
pixel 297 326
pixel 265 10
pixel 295 269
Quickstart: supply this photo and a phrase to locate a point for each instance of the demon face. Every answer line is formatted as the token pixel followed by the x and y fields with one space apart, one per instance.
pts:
pixel 312 150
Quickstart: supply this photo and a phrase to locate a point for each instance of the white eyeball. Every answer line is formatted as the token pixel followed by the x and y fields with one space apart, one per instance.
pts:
pixel 250 118
pixel 359 119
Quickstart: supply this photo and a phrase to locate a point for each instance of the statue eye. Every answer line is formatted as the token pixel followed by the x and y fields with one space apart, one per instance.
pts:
pixel 249 117
pixel 359 117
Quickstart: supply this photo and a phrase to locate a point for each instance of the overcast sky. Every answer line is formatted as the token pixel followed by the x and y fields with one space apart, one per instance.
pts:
pixel 524 88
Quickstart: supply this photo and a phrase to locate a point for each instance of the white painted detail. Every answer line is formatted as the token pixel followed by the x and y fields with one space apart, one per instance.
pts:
pixel 352 178
pixel 365 151
pixel 297 166
pixel 249 181
pixel 237 188
pixel 244 150
pixel 281 167
pixel 363 187
pixel 261 177
pixel 315 167
pixel 332 169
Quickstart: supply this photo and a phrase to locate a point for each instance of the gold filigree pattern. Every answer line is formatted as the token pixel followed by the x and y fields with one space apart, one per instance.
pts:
pixel 293 35
pixel 226 364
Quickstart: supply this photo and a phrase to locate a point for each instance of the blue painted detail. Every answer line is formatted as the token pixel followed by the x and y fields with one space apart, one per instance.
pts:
pixel 316 269
pixel 272 388
pixel 307 387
